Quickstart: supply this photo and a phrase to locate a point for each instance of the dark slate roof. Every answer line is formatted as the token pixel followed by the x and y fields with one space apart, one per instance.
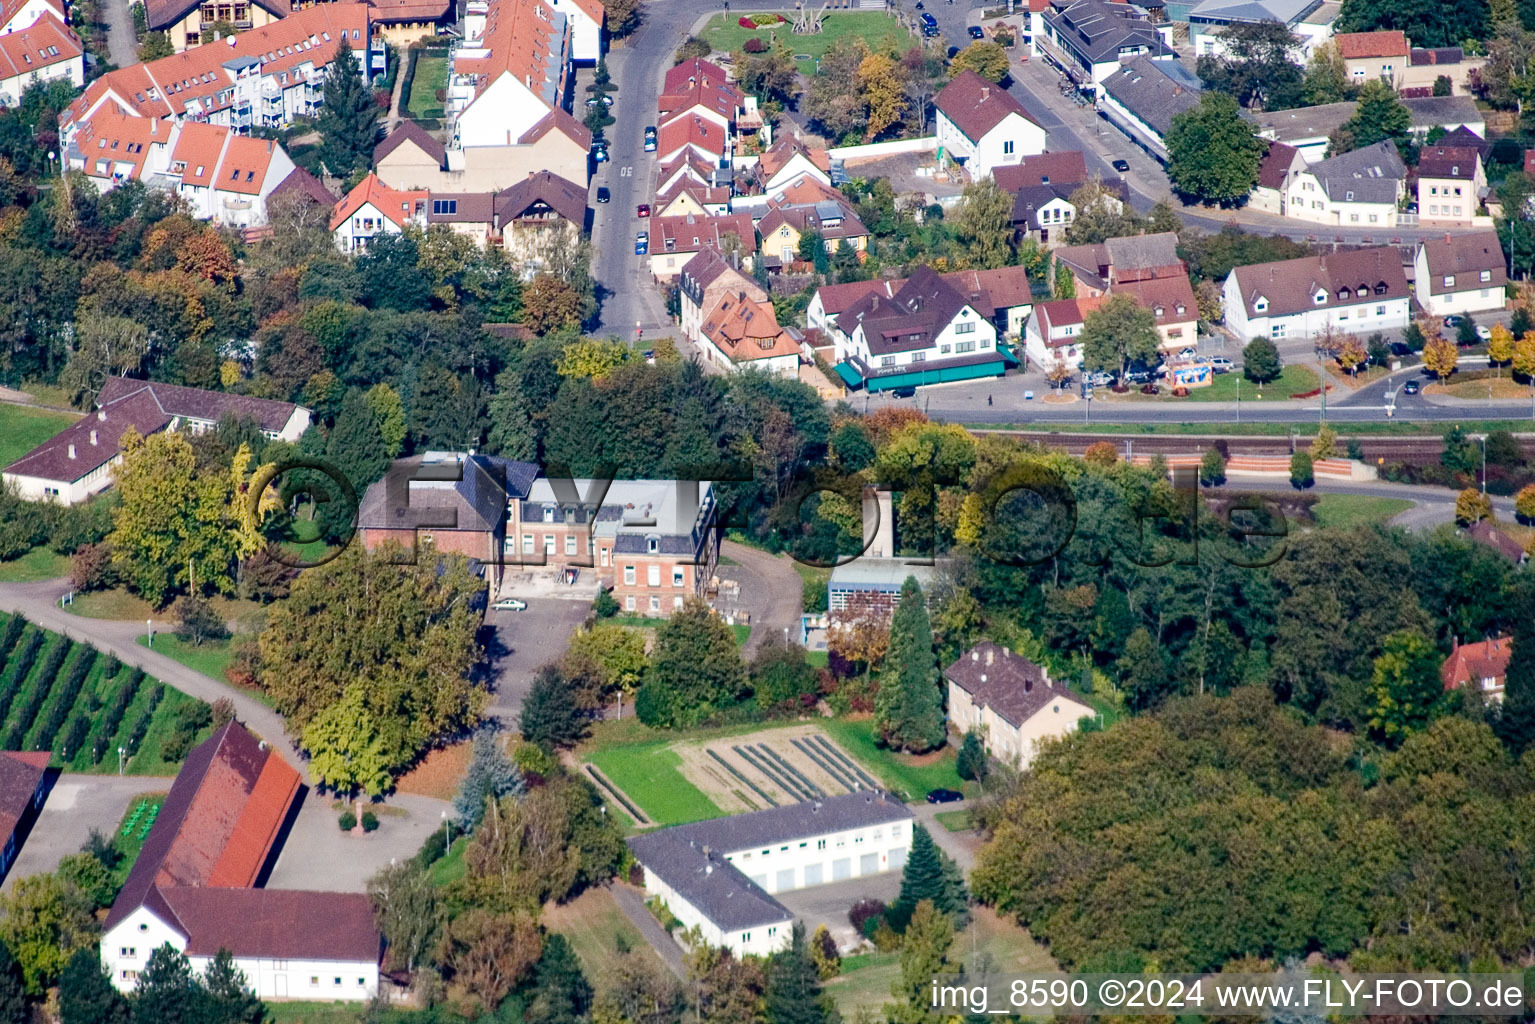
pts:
pixel 1425 56
pixel 1042 169
pixel 475 503
pixel 1154 91
pixel 51 460
pixel 1290 285
pixel 517 476
pixel 1099 30
pixel 1368 175
pixel 1464 136
pixel 410 131
pixel 565 198
pixel 467 207
pixel 690 858
pixel 1007 682
pixel 277 923
pixel 1463 257
pixel 301 182
pixel 924 306
pixel 1276 165
pixel 1443 161
pixel 199 404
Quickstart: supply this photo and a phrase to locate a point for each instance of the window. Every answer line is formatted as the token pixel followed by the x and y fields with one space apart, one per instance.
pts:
pixel 1485 275
pixel 1007 147
pixel 1380 310
pixel 628 575
pixel 548 543
pixel 653 575
pixel 1374 218
pixel 143 927
pixel 964 346
pixel 1261 305
pixel 943 350
pixel 604 557
pixel 1353 218
pixel 887 360
pixel 746 936
pixel 527 543
pixel 548 513
pixel 677 575
pixel 130 975
pixel 919 357
pixel 820 844
pixel 968 327
pixel 570 544
pixel 1276 331
pixel 629 603
pixel 314 979
pixel 773 929
pixel 336 981
pixel 655 603
pixel 652 545
pixel 128 952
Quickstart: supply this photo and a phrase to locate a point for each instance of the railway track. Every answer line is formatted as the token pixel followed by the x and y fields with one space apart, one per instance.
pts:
pixel 1391 449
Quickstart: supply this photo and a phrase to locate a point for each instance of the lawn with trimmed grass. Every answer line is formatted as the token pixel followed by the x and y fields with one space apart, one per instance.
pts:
pixel 954 821
pixel 598 932
pixel 723 33
pixel 902 773
pixel 1344 510
pixel 431 75
pixel 1293 380
pixel 211 657
pixel 450 867
pixel 650 774
pixel 41 563
pixel 24 427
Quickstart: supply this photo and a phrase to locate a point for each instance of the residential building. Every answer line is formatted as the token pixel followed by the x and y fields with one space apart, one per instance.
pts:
pixel 1463 273
pixel 1271 193
pixel 1451 186
pixel 741 331
pixel 1310 20
pixel 1427 65
pixel 265 77
pixel 982 127
pixel 77 462
pixel 1309 128
pixel 1382 55
pixel 927 333
pixel 1054 332
pixel 1012 703
pixel 403 22
pixel 831 300
pixel 700 115
pixel 113 147
pixel 23 789
pixel 372 209
pixel 1090 39
pixel 689 197
pixel 675 240
pixel 1142 98
pixel 43 51
pixel 787 159
pixel 1042 188
pixel 189 23
pixel 1002 295
pixel 510 71
pixel 782 228
pixel 704 280
pixel 588 21
pixel 224 177
pixel 19 14
pixel 528 219
pixel 719 875
pixel 409 158
pixel 1481 666
pixel 196 885
pixel 689 166
pixel 1171 301
pixel 1098 268
pixel 1361 188
pixel 1354 292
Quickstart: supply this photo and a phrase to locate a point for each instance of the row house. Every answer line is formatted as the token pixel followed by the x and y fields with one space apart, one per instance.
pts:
pixel 675 240
pixel 189 23
pixel 1451 186
pixel 1463 273
pixel 372 209
pixel 1054 334
pixel 1353 292
pixel 788 160
pixel 43 51
pixel 266 77
pixel 1097 268
pixel 689 197
pixel 1089 39
pixel 512 68
pixel 701 114
pixel 403 22
pixel 730 319
pixel 16 15
pixel 981 126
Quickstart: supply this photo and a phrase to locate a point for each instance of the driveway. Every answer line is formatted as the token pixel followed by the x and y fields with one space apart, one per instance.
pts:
pixel 520 643
pixel 770 590
pixel 317 855
pixel 632 902
pixel 76 804
pixel 121 45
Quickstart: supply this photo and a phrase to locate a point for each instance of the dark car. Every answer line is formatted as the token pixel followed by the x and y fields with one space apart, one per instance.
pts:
pixel 976 33
pixel 603 195
pixel 1452 321
pixel 944 796
pixel 1400 348
pixel 1121 166
pixel 1410 388
pixel 903 392
pixel 953 52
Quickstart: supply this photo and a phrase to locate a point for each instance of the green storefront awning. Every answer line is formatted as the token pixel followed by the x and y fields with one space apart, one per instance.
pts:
pixel 939 375
pixel 850 376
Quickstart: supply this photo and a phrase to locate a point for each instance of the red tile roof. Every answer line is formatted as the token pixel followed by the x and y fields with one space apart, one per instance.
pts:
pixel 777 157
pixel 1455 162
pixel 835 298
pixel 398 206
pixel 1471 663
pixel 255 830
pixel 245 164
pixel 197 153
pixel 691 233
pixel 111 137
pixel 21 772
pixel 521 41
pixel 560 121
pixel 10 9
pixel 200 404
pixel 1463 258
pixel 746 329
pixel 699 132
pixel 45 43
pixel 976 106
pixel 1385 43
pixel 1061 312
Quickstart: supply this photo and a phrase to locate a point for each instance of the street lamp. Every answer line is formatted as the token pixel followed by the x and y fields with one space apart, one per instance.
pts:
pixel 120 760
pixel 1482 440
pixel 149 631
pixel 447 829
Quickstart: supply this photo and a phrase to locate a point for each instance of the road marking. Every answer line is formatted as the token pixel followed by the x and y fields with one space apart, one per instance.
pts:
pixel 626 172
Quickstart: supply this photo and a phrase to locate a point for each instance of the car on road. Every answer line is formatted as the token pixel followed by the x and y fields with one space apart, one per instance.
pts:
pixel 929 25
pixel 642 243
pixel 650 143
pixel 650 131
pixel 903 392
pixel 1121 165
pixel 944 796
pixel 1452 321
pixel 642 210
pixel 1098 379
pixel 600 152
pixel 1220 364
pixel 976 33
pixel 603 195
pixel 1410 388
pixel 1484 333
pixel 510 604
pixel 607 100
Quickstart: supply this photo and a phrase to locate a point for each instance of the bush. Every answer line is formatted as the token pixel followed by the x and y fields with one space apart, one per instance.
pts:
pixel 754 45
pixel 865 910
pixel 606 605
pixel 114 719
pixel 110 667
pixel 347 821
pixel 1301 471
pixel 191 718
pixel 369 821
pixel 141 725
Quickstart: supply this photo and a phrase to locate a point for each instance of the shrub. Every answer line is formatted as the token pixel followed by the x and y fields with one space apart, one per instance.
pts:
pixel 191 718
pixel 754 45
pixel 24 659
pixel 606 605
pixel 120 701
pixel 1301 471
pixel 1212 468
pixel 47 673
pixel 110 667
pixel 1524 504
pixel 860 913
pixel 1101 453
pixel 369 821
pixel 347 821
pixel 745 22
pixel 141 724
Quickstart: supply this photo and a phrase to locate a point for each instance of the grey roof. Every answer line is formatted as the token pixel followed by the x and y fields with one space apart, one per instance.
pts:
pixel 1431 111
pixel 1154 90
pixel 720 890
pixel 1320 121
pixel 881 573
pixel 1098 30
pixel 1368 175
pixel 475 501
pixel 1287 12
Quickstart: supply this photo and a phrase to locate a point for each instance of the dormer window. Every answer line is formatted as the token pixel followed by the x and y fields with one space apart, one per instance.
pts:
pixel 1320 297
pixel 652 545
pixel 1261 305
pixel 1380 288
pixel 1348 196
pixel 1343 293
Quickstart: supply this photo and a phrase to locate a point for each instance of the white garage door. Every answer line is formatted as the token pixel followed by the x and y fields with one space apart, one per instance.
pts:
pixel 868 864
pixel 785 880
pixel 841 868
pixel 812 874
pixel 898 858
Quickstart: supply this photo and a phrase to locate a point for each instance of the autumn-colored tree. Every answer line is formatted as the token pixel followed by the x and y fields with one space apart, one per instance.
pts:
pixel 549 304
pixel 489 953
pixel 1352 355
pixel 985 57
pixel 1500 345
pixel 206 255
pixel 1440 357
pixel 1524 357
pixel 883 87
pixel 1101 453
pixel 615 653
pixel 593 358
pixel 1325 444
pixel 1524 503
pixel 1058 374
pixel 862 640
pixel 347 751
pixel 1472 506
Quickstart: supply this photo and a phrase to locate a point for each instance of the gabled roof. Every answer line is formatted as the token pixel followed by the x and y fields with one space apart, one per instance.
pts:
pixel 524 39
pixel 703 270
pixel 1464 257
pixel 1368 175
pixel 1061 313
pixel 46 42
pixel 1068 166
pixel 1276 165
pixel 197 153
pixel 245 164
pixel 1384 43
pixel 399 206
pixel 1457 162
pixel 71 454
pixel 832 220
pixel 411 132
pixel 276 923
pixel 301 182
pixel 477 499
pixel 976 106
pixel 778 155
pixel 692 130
pixel 162 14
pixel 1471 663
pixel 1155 91
pixel 1170 299
pixel 21 772
pixel 704 195
pixel 992 290
pixel 11 9
pixel 113 137
pixel 1008 683
pixel 691 233
pixel 557 120
pixel 1463 136
pixel 546 188
pixel 1099 30
pixel 836 298
pixel 200 404
pixel 681 77
pixel 909 321
pixel 1291 286
pixel 393 11
pixel 1487 532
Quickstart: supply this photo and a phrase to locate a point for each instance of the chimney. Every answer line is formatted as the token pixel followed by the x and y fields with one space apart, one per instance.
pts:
pixel 985 93
pixel 71 451
pixel 990 656
pixel 93 439
pixel 1007 652
pixel 1028 685
pixel 975 656
pixel 983 677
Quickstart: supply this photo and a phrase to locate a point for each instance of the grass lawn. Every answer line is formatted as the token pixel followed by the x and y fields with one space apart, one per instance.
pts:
pixel 211 658
pixel 24 427
pixel 431 75
pixel 116 603
pixel 901 772
pixel 1293 380
pixel 818 659
pixel 1356 509
pixel 1487 387
pixel 598 931
pixel 650 775
pixel 954 821
pixel 41 563
pixel 130 843
pixel 450 868
pixel 723 33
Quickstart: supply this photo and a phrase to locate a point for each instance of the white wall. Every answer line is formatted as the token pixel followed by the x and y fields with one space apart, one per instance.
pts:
pixel 585 33
pixel 759 940
pixel 1042 354
pixel 1309 201
pixel 945 346
pixel 72 69
pixel 500 115
pixel 26 15
pixel 1471 300
pixel 1357 318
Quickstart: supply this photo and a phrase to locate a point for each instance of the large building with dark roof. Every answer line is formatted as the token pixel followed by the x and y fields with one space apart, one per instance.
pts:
pixel 1353 291
pixel 197 885
pixel 1012 703
pixel 719 875
pixel 1142 98
pixel 78 461
pixel 23 788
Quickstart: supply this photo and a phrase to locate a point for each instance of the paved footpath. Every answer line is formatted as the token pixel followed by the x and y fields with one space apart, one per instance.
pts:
pixel 39 602
pixel 632 902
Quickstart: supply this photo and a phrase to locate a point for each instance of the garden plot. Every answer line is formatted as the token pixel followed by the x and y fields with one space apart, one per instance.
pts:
pixel 771 768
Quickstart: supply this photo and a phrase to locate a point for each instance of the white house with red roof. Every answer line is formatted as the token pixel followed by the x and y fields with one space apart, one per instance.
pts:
pixel 372 209
pixel 43 51
pixel 508 73
pixel 224 177
pixel 675 240
pixel 981 126
pixel 19 14
pixel 113 147
pixel 1053 335
pixel 731 320
pixel 1481 666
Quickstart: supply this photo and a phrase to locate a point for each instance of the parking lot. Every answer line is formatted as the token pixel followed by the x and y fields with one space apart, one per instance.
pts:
pixel 76 804
pixel 519 643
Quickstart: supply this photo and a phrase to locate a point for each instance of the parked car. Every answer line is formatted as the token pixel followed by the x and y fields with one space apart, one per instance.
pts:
pixel 607 100
pixel 1410 388
pixel 510 604
pixel 1121 166
pixel 650 143
pixel 1140 376
pixel 1220 364
pixel 1400 349
pixel 650 131
pixel 642 243
pixel 1098 379
pixel 600 152
pixel 1188 353
pixel 944 796
pixel 1452 320
pixel 643 210
pixel 976 33
pixel 904 392
pixel 603 195
pixel 1483 332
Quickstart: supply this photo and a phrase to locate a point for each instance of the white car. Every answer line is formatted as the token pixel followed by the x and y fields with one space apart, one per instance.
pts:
pixel 1484 333
pixel 1099 379
pixel 510 604
pixel 1220 364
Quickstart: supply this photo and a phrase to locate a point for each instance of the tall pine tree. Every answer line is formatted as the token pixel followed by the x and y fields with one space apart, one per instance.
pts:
pixel 909 708
pixel 167 991
pixel 1517 721
pixel 491 775
pixel 793 991
pixel 86 996
pixel 227 995
pixel 924 956
pixel 348 117
pixel 562 995
pixel 930 874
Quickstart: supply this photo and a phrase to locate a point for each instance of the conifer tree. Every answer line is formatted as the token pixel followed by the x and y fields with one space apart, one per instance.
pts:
pixel 909 708
pixel 13 989
pixel 86 996
pixel 930 874
pixel 972 763
pixel 562 995
pixel 924 955
pixel 1517 722
pixel 348 116
pixel 491 775
pixel 793 991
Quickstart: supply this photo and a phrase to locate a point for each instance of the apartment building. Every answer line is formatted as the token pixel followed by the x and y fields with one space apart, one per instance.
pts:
pixel 512 68
pixel 1090 39
pixel 1451 186
pixel 41 52
pixel 1012 703
pixel 1354 292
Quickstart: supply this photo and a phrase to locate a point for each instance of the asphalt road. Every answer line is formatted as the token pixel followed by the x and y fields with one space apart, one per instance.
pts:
pixel 522 643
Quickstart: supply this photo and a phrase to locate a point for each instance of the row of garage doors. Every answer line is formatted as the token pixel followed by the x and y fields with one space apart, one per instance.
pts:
pixel 841 868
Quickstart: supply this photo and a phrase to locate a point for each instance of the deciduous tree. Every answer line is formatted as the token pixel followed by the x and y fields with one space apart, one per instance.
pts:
pixel 924 956
pixel 1472 506
pixel 347 748
pixel 1440 357
pixel 1213 155
pixel 884 90
pixel 983 225
pixel 1118 331
pixel 985 57
pixel 1500 345
pixel 408 911
pixel 1380 116
pixel 1407 689
pixel 1258 65
pixel 1302 471
pixel 695 668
